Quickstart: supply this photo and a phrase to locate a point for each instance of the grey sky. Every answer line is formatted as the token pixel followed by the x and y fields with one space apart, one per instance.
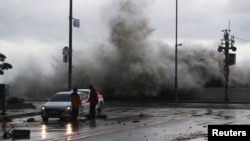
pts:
pixel 38 29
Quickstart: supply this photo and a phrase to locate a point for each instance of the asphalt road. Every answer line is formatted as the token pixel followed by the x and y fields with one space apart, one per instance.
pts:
pixel 140 121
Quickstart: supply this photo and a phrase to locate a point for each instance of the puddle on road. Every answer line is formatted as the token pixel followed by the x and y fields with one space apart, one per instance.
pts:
pixel 223 115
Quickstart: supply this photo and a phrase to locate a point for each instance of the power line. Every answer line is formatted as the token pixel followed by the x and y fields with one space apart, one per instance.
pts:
pixel 241 39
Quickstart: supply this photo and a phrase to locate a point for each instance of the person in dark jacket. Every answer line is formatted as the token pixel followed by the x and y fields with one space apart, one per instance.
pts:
pixel 93 99
pixel 75 104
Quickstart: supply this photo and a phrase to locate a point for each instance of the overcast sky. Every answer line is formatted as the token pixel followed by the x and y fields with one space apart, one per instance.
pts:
pixel 37 30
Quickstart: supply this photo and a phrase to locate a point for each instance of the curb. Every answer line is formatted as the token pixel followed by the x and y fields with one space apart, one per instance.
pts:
pixel 20 106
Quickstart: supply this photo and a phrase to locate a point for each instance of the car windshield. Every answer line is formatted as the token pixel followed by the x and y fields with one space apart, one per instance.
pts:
pixel 60 97
pixel 84 96
pixel 84 91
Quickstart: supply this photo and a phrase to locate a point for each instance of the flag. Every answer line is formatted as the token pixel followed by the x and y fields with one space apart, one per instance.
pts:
pixel 76 23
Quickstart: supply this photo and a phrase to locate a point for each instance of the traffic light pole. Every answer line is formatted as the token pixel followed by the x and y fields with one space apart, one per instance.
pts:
pixel 70 45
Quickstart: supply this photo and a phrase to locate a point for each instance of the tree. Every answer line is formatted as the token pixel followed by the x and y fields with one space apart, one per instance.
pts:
pixel 3 65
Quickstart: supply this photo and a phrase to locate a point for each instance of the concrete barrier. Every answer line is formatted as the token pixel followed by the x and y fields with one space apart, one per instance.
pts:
pixel 19 106
pixel 218 95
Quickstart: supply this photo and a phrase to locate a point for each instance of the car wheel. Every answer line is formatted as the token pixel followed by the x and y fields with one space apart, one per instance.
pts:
pixel 45 119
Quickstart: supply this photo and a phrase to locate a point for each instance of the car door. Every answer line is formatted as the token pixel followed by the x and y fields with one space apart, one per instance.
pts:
pixel 85 105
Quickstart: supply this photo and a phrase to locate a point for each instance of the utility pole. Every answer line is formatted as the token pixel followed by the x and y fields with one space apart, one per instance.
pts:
pixel 227 43
pixel 70 45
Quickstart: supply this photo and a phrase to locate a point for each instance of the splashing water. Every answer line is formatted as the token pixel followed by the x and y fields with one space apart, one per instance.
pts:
pixel 131 64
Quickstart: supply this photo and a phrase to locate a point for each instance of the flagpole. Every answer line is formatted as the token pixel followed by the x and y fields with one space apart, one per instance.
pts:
pixel 70 45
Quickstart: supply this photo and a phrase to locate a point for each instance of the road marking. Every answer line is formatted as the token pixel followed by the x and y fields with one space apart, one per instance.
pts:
pixel 117 129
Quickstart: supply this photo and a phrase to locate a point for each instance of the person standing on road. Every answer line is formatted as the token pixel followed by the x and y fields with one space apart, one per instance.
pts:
pixel 93 99
pixel 75 104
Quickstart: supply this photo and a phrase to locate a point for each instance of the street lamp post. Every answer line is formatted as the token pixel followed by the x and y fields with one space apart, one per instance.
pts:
pixel 176 53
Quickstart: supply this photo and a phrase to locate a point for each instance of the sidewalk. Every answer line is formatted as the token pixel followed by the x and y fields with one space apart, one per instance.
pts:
pixel 18 111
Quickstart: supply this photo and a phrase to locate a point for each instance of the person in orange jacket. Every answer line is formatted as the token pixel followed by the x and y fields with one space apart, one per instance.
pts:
pixel 93 99
pixel 75 104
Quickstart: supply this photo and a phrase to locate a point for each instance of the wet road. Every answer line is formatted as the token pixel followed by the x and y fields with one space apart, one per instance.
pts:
pixel 141 122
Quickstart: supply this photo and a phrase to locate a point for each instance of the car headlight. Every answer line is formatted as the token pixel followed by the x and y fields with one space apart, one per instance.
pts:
pixel 43 108
pixel 68 108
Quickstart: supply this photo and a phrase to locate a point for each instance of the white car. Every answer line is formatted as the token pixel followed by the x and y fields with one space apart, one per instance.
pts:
pixel 59 106
pixel 100 104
